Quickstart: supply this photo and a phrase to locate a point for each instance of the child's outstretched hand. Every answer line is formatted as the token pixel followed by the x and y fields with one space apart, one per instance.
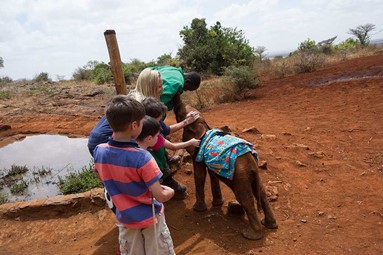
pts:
pixel 191 117
pixel 194 142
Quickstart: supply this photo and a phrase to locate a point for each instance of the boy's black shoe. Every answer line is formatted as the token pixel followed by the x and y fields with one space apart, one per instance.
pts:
pixel 174 159
pixel 179 188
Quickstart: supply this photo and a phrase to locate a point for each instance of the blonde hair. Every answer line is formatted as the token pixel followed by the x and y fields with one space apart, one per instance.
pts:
pixel 147 84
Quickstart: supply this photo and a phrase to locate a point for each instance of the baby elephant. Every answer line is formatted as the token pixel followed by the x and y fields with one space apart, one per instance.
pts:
pixel 238 169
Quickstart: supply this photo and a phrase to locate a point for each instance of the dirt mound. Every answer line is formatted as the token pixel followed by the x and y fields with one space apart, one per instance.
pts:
pixel 320 135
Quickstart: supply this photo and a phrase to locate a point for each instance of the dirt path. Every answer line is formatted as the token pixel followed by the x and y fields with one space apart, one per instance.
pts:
pixel 322 139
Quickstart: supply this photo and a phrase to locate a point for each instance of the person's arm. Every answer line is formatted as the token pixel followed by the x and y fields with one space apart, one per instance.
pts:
pixel 176 146
pixel 190 118
pixel 160 192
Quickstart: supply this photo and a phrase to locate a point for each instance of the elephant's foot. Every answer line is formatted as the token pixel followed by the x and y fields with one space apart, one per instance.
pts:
pixel 199 207
pixel 234 207
pixel 217 202
pixel 270 224
pixel 249 233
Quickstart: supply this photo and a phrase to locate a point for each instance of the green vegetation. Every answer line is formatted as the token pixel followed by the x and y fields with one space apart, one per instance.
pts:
pixel 3 198
pixel 242 79
pixel 41 77
pixel 17 170
pixel 5 94
pixel 43 171
pixel 81 181
pixel 362 33
pixel 211 50
pixel 19 187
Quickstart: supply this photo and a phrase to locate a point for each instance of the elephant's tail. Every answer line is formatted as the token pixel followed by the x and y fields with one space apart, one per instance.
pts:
pixel 257 189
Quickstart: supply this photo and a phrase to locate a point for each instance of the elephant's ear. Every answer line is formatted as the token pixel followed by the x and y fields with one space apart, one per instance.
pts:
pixel 199 129
pixel 195 130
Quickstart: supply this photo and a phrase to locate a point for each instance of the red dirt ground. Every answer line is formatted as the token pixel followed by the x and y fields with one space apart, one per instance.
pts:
pixel 322 139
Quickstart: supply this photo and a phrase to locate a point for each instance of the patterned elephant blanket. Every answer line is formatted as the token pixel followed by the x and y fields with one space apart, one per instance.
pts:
pixel 219 150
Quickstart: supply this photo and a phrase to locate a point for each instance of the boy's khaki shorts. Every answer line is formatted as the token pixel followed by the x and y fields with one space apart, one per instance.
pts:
pixel 143 241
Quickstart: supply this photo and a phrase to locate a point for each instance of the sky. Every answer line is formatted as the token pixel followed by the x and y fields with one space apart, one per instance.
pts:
pixel 59 36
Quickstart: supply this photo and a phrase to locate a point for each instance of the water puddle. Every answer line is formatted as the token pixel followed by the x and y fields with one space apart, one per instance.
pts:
pixel 375 72
pixel 58 155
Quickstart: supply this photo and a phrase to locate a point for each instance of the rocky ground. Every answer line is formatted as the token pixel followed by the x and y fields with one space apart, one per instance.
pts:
pixel 320 135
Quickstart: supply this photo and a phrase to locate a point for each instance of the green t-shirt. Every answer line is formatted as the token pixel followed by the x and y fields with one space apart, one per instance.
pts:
pixel 173 81
pixel 160 157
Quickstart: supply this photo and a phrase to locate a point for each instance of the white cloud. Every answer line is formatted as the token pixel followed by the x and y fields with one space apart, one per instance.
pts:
pixel 59 36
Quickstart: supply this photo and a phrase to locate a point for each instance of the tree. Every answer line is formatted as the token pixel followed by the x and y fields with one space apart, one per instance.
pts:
pixel 41 77
pixel 1 62
pixel 362 33
pixel 307 45
pixel 213 49
pixel 259 52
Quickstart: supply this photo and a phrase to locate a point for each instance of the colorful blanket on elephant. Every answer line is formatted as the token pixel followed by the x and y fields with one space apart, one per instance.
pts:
pixel 219 151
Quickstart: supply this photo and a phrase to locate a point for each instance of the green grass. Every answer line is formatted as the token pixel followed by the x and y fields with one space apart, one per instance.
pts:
pixel 19 187
pixel 17 170
pixel 5 94
pixel 42 171
pixel 80 181
pixel 3 198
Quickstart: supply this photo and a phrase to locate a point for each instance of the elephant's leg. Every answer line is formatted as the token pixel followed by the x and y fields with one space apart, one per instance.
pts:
pixel 215 189
pixel 269 220
pixel 244 195
pixel 199 182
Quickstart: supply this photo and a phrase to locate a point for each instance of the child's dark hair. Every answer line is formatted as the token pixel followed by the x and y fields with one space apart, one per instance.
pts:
pixel 150 127
pixel 154 107
pixel 123 110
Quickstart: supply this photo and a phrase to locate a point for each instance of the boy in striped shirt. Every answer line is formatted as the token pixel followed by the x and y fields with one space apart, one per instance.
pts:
pixel 131 176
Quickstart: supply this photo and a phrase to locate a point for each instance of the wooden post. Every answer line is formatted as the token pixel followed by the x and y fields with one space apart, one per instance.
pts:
pixel 115 62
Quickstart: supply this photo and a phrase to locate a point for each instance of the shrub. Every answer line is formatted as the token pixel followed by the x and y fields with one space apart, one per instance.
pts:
pixel 242 78
pixel 42 77
pixel 3 198
pixel 4 94
pixel 5 80
pixel 19 187
pixel 82 74
pixel 308 61
pixel 17 170
pixel 102 74
pixel 81 181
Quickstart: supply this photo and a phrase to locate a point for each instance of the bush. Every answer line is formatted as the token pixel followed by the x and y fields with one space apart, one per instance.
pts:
pixel 19 187
pixel 102 74
pixel 82 74
pixel 4 94
pixel 242 78
pixel 81 181
pixel 308 61
pixel 5 80
pixel 3 198
pixel 42 77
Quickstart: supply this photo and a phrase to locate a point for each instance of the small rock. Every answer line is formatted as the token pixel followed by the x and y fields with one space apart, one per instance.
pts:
pixel 331 217
pixel 320 213
pixel 226 129
pixel 252 130
pixel 303 220
pixel 262 164
pixel 300 163
pixel 269 137
pixel 299 145
pixel 318 154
